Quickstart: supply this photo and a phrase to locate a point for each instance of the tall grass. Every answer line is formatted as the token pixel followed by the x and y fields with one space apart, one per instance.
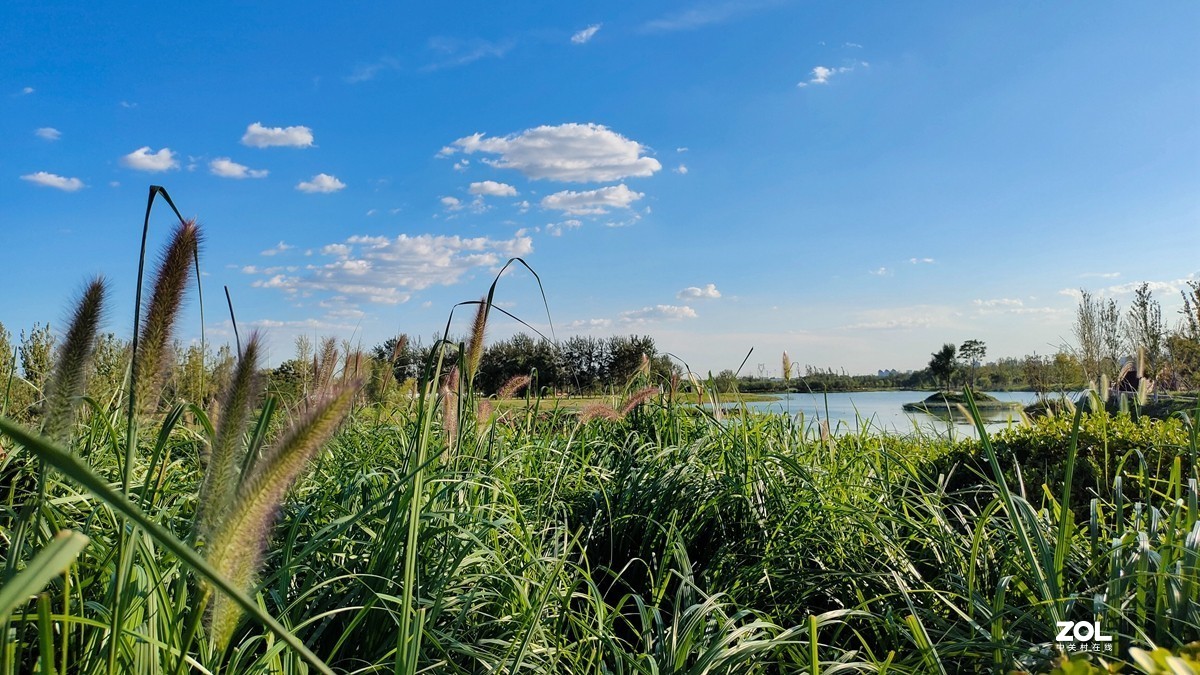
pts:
pixel 450 535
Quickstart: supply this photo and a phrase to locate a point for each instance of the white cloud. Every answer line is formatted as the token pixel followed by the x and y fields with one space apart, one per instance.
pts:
pixel 48 133
pixel 1101 275
pixel 387 270
pixel 681 169
pixel 586 34
pixel 493 189
pixel 921 261
pixel 46 179
pixel 821 74
pixel 27 91
pixel 695 292
pixel 453 52
pixel 881 272
pixel 462 164
pixel 277 249
pixel 852 45
pixel 227 168
pixel 556 229
pixel 144 160
pixel 452 203
pixel 702 15
pixel 658 313
pixel 1000 302
pixel 591 202
pixel 322 183
pixel 588 324
pixel 258 136
pixel 681 149
pixel 363 73
pixel 579 153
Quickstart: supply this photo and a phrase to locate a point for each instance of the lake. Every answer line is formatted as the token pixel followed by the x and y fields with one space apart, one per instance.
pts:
pixel 881 411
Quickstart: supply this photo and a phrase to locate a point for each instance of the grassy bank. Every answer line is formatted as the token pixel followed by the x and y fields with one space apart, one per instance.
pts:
pixel 458 534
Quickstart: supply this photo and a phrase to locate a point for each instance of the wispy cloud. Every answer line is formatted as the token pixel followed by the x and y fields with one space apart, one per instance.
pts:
pixel 47 179
pixel 921 261
pixel 144 160
pixel 452 52
pixel 277 249
pixel 586 34
pixel 881 272
pixel 48 133
pixel 703 15
pixel 227 168
pixel 571 152
pixel 258 136
pixel 822 74
pixel 321 183
pixel 27 91
pixel 369 71
pixel 1100 275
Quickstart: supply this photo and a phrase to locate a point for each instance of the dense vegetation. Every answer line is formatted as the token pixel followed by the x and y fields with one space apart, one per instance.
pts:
pixel 440 533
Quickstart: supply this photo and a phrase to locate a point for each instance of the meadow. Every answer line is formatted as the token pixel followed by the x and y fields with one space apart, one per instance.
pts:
pixel 448 532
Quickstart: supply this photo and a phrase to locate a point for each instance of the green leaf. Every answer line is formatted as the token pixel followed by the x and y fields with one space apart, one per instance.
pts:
pixel 47 564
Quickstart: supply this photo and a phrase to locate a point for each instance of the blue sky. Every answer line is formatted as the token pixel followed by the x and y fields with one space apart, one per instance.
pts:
pixel 853 183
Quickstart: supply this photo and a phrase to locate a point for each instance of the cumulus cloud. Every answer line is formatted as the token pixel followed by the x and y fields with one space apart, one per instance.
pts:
pixel 47 179
pixel 591 202
pixel 321 183
pixel 491 188
pixel 48 133
pixel 27 91
pixel 586 34
pixel 579 153
pixel 385 270
pixel 681 169
pixel 144 160
pixel 452 203
pixel 227 168
pixel 658 313
pixel 258 136
pixel 695 292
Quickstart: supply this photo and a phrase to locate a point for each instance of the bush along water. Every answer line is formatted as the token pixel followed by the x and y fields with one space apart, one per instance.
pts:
pixel 445 532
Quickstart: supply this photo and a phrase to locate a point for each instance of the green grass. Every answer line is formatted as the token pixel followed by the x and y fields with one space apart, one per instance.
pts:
pixel 453 537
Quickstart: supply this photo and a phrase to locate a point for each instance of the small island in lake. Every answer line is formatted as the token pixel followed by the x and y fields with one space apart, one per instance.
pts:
pixel 949 401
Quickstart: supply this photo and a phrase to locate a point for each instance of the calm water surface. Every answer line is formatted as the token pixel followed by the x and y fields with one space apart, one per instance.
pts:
pixel 882 411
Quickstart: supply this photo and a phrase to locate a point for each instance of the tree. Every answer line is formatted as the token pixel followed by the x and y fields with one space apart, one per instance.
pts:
pixel 1098 334
pixel 1146 331
pixel 941 366
pixel 972 352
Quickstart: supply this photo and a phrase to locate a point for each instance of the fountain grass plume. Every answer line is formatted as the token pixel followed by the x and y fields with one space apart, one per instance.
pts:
pixel 240 534
pixel 150 362
pixel 639 397
pixel 593 411
pixel 475 345
pixel 449 396
pixel 69 376
pixel 512 386
pixel 220 482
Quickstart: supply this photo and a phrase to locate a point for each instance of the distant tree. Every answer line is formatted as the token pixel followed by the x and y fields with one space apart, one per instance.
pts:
pixel 1037 373
pixel 1146 331
pixel 941 366
pixel 36 352
pixel 972 352
pixel 1100 340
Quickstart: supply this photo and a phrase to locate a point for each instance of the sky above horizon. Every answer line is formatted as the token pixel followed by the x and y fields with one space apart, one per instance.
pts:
pixel 854 184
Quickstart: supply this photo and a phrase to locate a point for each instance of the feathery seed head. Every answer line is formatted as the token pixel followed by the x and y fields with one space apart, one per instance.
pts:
pixel 475 346
pixel 70 372
pixel 150 363
pixel 510 388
